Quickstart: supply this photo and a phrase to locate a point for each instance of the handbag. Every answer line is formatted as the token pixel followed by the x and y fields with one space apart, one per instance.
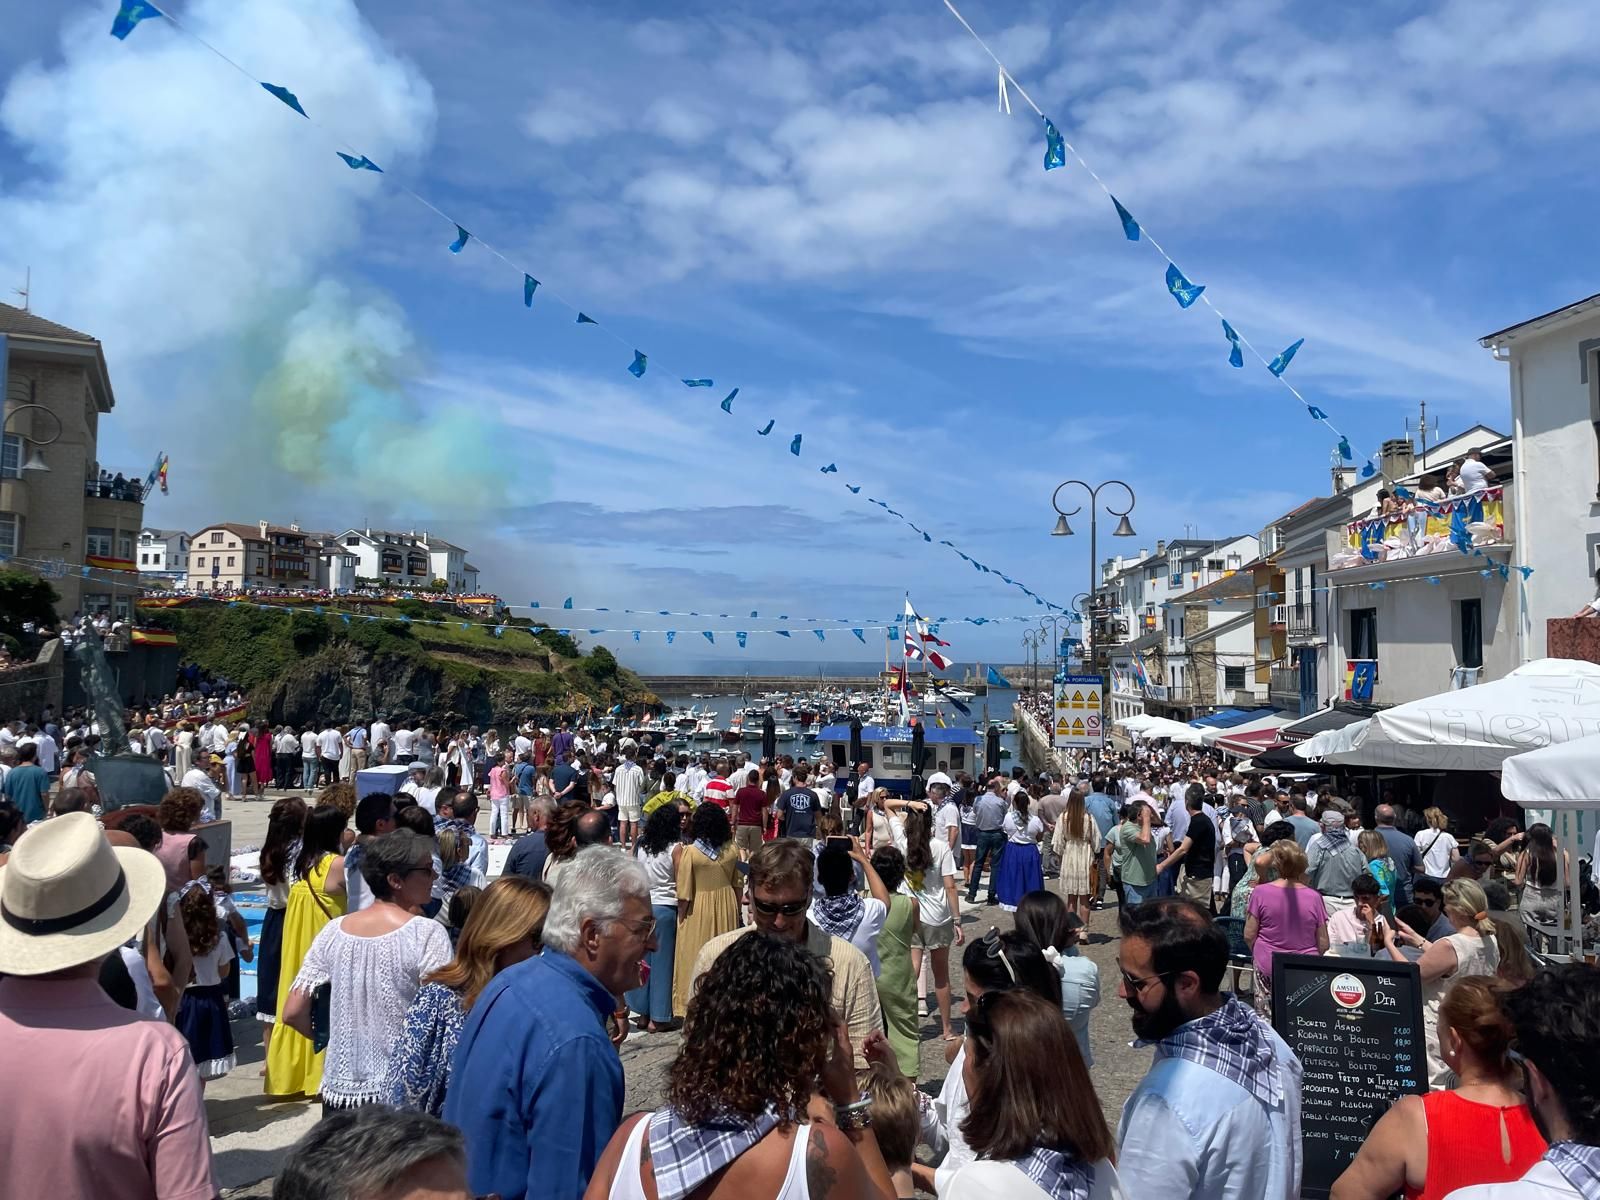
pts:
pixel 322 997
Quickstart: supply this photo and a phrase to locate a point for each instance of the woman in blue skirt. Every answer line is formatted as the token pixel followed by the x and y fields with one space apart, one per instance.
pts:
pixel 1020 871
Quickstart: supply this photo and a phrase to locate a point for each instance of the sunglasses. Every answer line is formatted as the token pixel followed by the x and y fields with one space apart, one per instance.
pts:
pixel 1136 986
pixel 792 909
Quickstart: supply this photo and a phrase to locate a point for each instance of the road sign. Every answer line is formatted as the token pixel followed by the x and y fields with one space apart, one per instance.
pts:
pixel 1078 712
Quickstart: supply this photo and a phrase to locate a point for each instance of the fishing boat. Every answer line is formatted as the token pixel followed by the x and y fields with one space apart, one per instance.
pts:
pixel 784 733
pixel 705 729
pixel 886 749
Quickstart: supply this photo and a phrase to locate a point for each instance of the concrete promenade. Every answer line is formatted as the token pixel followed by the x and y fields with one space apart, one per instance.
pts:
pixel 251 1134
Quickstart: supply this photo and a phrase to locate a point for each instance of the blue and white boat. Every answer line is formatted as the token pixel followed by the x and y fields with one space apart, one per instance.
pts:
pixel 886 749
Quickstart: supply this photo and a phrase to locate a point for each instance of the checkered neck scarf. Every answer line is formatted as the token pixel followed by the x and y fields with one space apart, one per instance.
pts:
pixel 1061 1175
pixel 839 915
pixel 706 848
pixel 1579 1165
pixel 683 1156
pixel 1232 1042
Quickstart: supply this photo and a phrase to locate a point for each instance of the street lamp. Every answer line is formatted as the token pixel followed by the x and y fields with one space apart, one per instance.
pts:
pixel 34 460
pixel 1062 529
pixel 1032 639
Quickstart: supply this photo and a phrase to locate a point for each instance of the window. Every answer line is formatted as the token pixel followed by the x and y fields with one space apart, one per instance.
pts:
pixel 1214 564
pixel 352 541
pixel 10 533
pixel 122 607
pixel 97 602
pixel 230 560
pixel 261 565
pixel 1233 678
pixel 1470 647
pixel 11 456
pixel 125 546
pixel 199 560
pixel 216 539
pixel 100 542
pixel 1364 633
pixel 958 758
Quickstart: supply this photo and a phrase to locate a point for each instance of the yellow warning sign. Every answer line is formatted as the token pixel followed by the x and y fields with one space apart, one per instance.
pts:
pixel 1092 700
pixel 1062 728
pixel 1077 699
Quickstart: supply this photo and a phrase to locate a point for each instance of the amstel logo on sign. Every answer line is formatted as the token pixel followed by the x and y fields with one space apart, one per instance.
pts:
pixel 1348 991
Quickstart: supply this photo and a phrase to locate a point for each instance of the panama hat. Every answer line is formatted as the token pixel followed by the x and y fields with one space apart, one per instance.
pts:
pixel 67 896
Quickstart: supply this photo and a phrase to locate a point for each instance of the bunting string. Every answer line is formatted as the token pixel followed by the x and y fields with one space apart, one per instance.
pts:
pixel 1185 292
pixel 132 12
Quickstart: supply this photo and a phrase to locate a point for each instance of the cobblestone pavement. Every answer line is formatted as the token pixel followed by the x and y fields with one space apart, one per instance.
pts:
pixel 250 1134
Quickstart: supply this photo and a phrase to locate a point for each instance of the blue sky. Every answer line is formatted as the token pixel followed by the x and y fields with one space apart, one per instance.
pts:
pixel 819 206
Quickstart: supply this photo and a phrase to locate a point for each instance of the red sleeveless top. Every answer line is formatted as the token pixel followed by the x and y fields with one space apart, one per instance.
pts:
pixel 1467 1146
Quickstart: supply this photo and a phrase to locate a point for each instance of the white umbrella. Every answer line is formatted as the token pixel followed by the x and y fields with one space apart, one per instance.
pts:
pixel 1320 745
pixel 1564 779
pixel 1267 720
pixel 1134 723
pixel 1477 728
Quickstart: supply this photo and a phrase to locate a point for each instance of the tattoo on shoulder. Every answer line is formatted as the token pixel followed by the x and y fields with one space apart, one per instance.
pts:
pixel 820 1173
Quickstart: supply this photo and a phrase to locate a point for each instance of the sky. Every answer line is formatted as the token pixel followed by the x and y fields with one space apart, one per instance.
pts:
pixel 820 204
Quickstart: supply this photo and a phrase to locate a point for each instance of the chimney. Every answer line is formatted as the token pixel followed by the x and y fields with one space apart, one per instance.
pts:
pixel 262 525
pixel 1343 477
pixel 1396 459
pixel 1161 548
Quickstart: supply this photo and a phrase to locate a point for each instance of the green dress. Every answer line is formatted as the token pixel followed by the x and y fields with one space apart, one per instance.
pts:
pixel 897 990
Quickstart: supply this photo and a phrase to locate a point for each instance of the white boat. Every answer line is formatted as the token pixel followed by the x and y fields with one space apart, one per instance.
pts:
pixel 784 733
pixel 705 729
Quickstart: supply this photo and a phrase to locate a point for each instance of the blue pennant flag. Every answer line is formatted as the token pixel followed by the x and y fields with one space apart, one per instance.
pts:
pixel 663 613
pixel 671 633
pixel 1184 292
pixel 1368 470
pixel 781 632
pixel 567 603
pixel 359 164
pixel 533 604
pixel 592 632
pixel 564 632
pixel 753 614
pixel 741 638
pixel 1344 450
pixel 1460 535
pixel 860 635
pixel 727 401
pixel 1055 146
pixel 1526 571
pixel 892 634
pixel 821 637
pixel 345 617
pixel 697 383
pixel 768 429
pixel 1402 492
pixel 585 319
pixel 130 14
pixel 1435 580
pixel 464 625
pixel 1377 587
pixel 1129 225
pixel 1236 355
pixel 1278 365
pixel 1505 571
pixel 830 469
pixel 1315 413
pixel 529 286
pixel 855 488
pixel 288 97
pixel 794 446
pixel 927 538
pixel 462 238
pixel 709 636
pixel 636 635
pixel 637 366
pixel 499 630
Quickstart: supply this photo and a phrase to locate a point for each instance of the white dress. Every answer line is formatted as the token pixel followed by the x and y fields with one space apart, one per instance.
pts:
pixel 983 1180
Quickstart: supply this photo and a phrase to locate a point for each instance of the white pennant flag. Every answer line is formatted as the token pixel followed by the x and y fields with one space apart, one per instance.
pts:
pixel 1005 94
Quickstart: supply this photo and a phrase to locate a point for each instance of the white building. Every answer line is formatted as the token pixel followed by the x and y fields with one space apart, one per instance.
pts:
pixel 409 560
pixel 1554 364
pixel 164 552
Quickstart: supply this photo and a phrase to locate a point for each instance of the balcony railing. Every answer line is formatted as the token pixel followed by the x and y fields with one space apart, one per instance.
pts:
pixel 1458 525
pixel 1283 681
pixel 1302 621
pixel 128 490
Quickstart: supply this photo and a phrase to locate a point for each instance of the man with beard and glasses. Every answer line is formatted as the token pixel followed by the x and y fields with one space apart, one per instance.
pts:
pixel 1217 1115
pixel 1557 1019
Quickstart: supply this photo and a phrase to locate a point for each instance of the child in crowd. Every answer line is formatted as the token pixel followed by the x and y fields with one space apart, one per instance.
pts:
pixel 203 1012
pixel 1379 865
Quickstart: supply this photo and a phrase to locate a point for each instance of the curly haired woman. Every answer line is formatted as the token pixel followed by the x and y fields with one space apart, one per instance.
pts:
pixel 760 1041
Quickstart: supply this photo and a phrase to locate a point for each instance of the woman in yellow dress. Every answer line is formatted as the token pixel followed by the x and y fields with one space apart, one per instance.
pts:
pixel 709 883
pixel 317 897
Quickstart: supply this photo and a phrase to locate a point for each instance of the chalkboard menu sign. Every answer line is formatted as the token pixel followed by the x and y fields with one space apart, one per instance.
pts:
pixel 1356 1026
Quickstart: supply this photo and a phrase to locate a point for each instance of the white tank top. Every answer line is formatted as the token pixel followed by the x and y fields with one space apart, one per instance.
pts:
pixel 625 1184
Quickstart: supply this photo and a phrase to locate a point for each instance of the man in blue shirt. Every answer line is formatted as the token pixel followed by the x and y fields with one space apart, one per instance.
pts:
pixel 26 783
pixel 989 815
pixel 1402 850
pixel 536 1085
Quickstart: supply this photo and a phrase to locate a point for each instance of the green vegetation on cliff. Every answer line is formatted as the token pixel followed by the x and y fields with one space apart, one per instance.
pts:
pixel 304 666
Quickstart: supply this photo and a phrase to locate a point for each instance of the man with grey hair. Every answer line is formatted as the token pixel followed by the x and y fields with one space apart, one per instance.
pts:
pixel 529 852
pixel 373 1152
pixel 1402 850
pixel 537 1086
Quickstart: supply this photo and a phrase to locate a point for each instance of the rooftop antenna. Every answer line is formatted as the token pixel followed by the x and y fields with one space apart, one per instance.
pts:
pixel 1423 430
pixel 25 289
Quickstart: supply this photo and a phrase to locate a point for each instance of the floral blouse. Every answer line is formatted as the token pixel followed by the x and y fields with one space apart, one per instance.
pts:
pixel 419 1066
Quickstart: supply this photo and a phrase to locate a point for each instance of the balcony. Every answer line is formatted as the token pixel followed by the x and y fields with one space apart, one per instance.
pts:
pixel 1276 616
pixel 130 491
pixel 1435 536
pixel 1284 681
pixel 1302 623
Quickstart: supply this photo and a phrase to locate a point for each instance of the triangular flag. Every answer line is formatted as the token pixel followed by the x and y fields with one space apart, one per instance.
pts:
pixel 1235 355
pixel 1184 292
pixel 636 635
pixel 637 366
pixel 768 429
pixel 1316 413
pixel 130 14
pixel 821 637
pixel 567 603
pixel 741 638
pixel 727 401
pixel 529 286
pixel 697 383
pixel 1055 146
pixel 752 614
pixel 288 97
pixel 533 604
pixel 855 488
pixel 462 238
pixel 1130 227
pixel 1344 450
pixel 830 469
pixel 860 635
pixel 794 446
pixel 709 636
pixel 1005 95
pixel 586 319
pixel 1368 470
pixel 671 633
pixel 781 632
pixel 1278 365
pixel 359 164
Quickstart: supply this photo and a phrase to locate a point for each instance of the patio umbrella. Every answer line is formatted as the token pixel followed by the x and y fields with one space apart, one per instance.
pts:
pixel 855 741
pixel 769 736
pixel 1563 779
pixel 991 749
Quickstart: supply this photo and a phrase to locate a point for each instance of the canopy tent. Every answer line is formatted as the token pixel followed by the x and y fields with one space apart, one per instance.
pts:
pixel 1164 727
pixel 1336 715
pixel 1247 744
pixel 1477 728
pixel 1134 723
pixel 1563 779
pixel 1225 718
pixel 1268 720
pixel 1320 746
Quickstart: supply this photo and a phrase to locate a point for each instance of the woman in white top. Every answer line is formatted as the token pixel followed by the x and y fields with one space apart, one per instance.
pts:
pixel 1021 870
pixel 1437 845
pixel 760 1040
pixel 1470 950
pixel 659 848
pixel 876 829
pixel 931 879
pixel 375 960
pixel 1021 1062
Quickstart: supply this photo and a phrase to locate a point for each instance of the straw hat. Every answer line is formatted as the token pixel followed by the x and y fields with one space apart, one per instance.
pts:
pixel 67 896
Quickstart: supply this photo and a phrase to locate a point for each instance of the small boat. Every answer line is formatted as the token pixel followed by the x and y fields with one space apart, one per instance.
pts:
pixel 784 733
pixel 750 733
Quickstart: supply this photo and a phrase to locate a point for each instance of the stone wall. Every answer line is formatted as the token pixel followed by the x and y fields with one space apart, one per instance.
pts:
pixel 25 690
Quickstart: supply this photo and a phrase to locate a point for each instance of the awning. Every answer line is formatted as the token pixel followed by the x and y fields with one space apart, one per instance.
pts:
pixel 1247 744
pixel 1267 719
pixel 1336 717
pixel 1225 718
pixel 1280 758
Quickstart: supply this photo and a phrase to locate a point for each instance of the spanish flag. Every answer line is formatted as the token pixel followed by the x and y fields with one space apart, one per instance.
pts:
pixel 154 637
pixel 104 562
pixel 162 601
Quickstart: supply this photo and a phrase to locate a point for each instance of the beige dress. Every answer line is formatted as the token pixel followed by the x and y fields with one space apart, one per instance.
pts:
pixel 1076 855
pixel 712 885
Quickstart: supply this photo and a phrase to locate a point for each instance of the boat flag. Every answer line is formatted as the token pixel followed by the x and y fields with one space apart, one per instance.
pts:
pixel 919 638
